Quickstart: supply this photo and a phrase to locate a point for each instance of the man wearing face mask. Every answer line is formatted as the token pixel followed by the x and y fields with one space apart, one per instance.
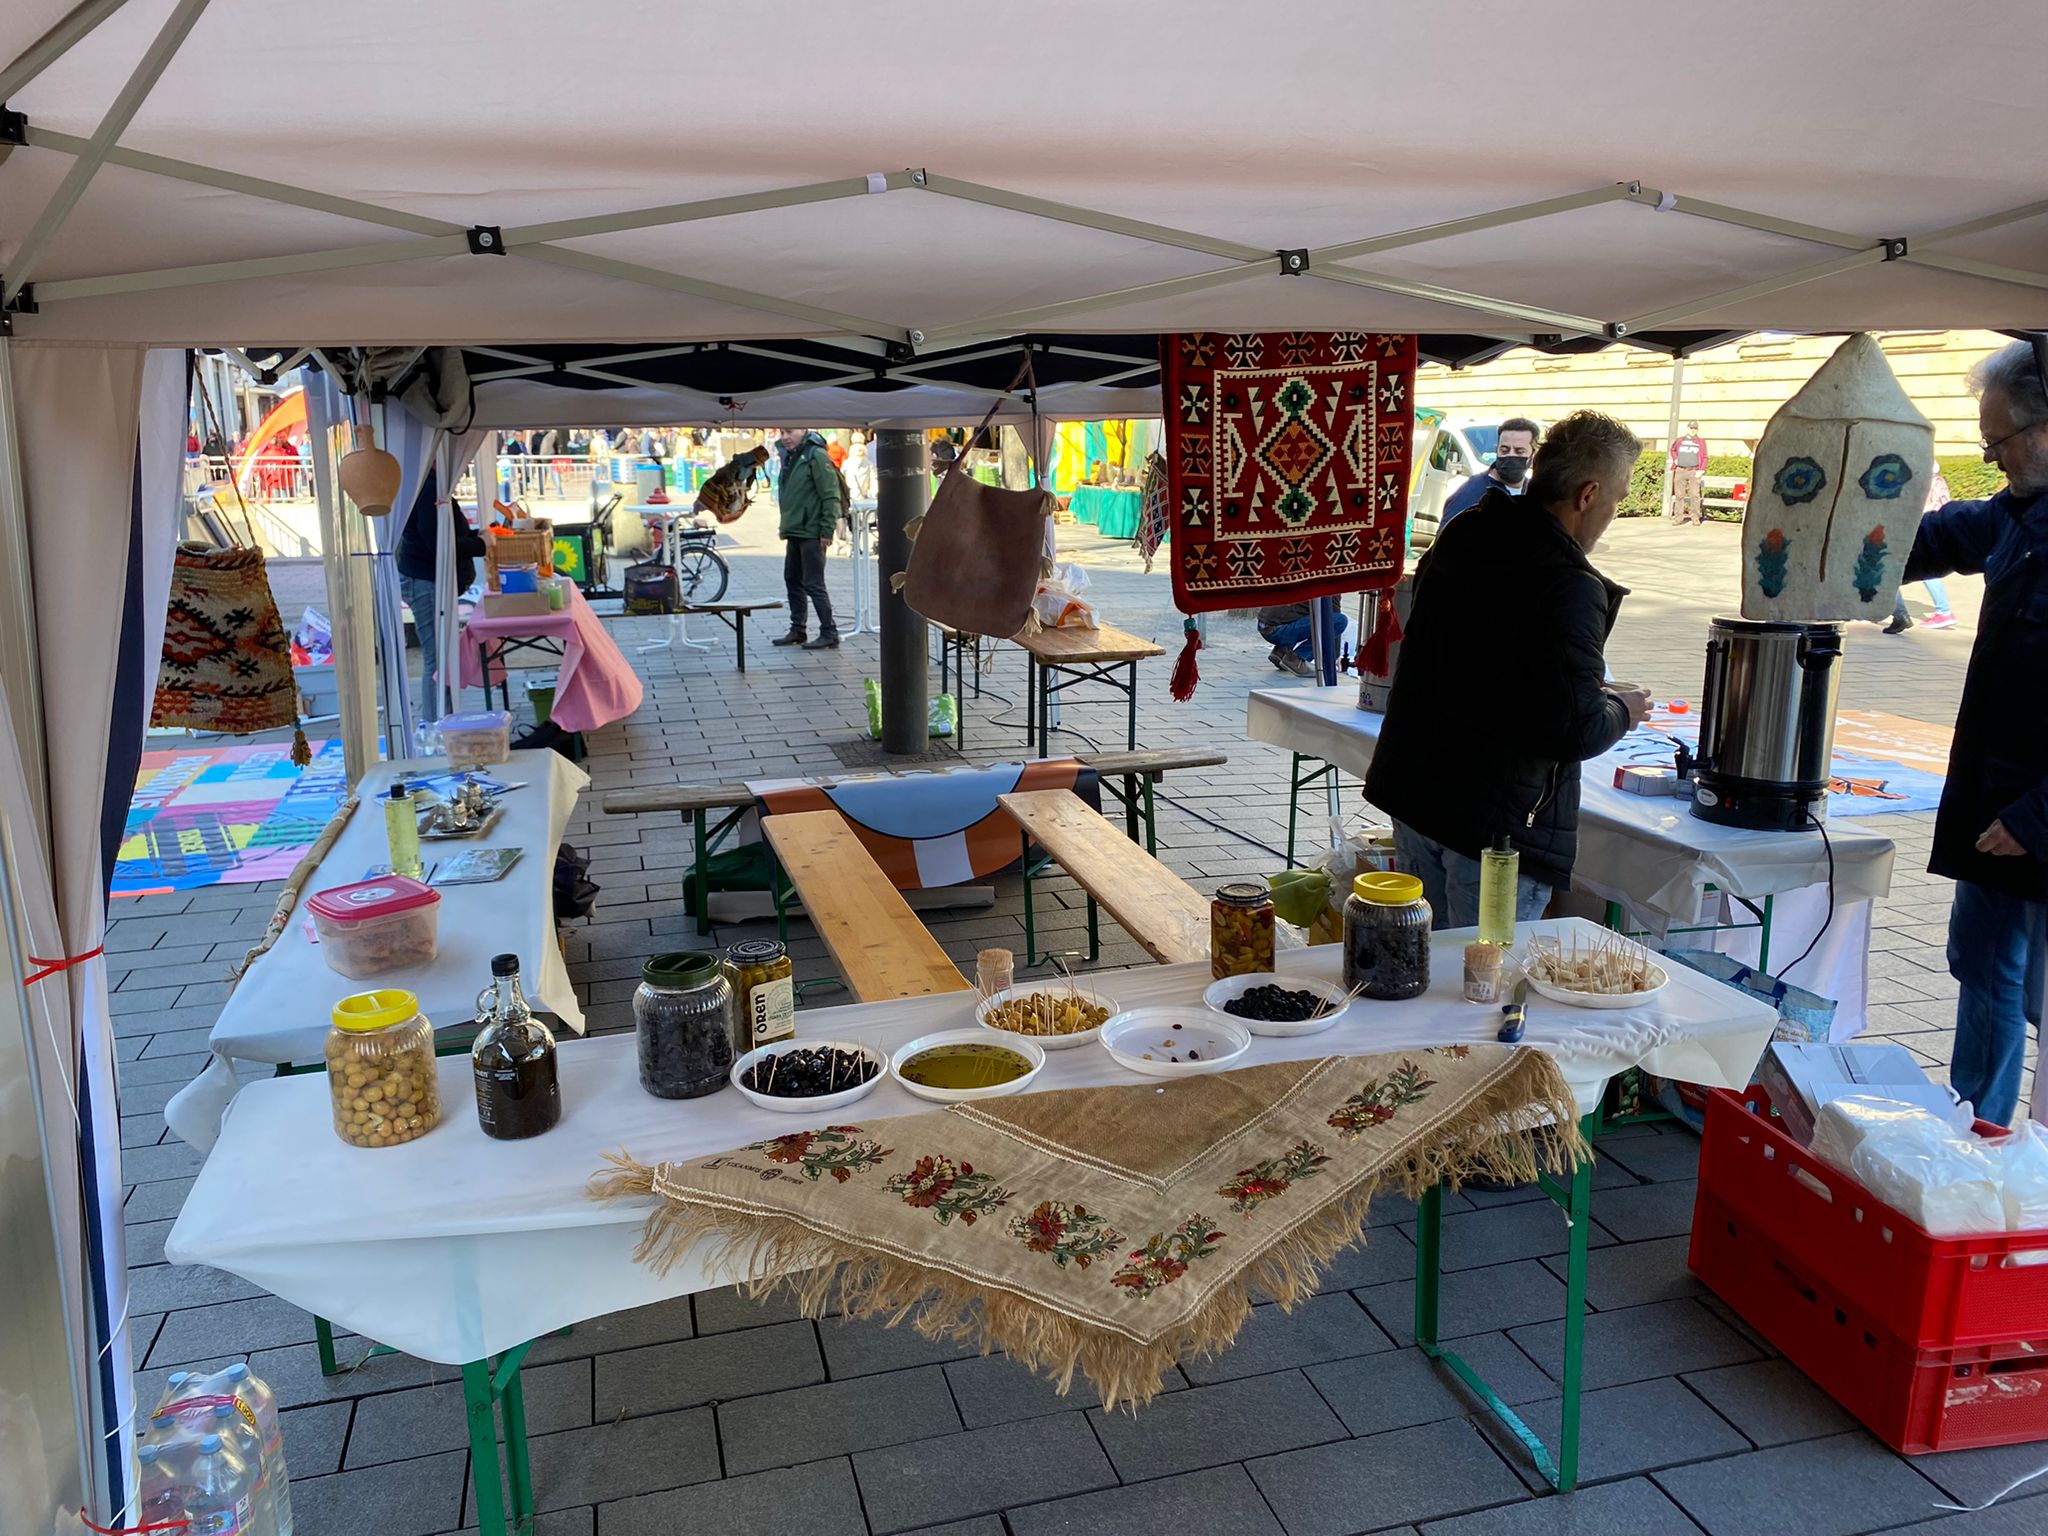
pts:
pixel 1991 834
pixel 1514 447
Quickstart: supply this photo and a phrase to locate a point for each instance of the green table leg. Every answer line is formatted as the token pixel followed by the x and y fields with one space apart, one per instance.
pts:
pixel 739 640
pixel 486 1482
pixel 700 877
pixel 1030 920
pixel 1151 841
pixel 1575 1200
pixel 1297 781
pixel 1131 806
pixel 323 1340
pixel 1763 938
pixel 518 1463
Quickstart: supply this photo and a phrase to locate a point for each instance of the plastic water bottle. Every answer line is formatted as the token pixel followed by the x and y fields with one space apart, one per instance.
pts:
pixel 246 1441
pixel 253 1390
pixel 219 1492
pixel 163 1492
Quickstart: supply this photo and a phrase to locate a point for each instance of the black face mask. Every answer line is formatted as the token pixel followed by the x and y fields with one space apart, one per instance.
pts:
pixel 1511 470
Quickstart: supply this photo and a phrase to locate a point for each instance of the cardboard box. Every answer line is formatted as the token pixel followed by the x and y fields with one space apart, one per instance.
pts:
pixel 1801 1078
pixel 516 605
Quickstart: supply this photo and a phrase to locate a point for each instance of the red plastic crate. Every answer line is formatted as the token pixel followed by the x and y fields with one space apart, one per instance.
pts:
pixel 1914 1400
pixel 1928 1292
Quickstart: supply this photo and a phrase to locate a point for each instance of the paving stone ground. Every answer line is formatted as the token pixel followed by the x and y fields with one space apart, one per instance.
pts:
pixel 713 1414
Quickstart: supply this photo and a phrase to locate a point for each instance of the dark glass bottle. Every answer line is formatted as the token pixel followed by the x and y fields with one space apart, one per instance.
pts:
pixel 518 1093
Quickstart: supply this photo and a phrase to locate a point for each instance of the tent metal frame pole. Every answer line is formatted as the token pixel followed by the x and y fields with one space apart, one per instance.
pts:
pixel 46 50
pixel 1868 257
pixel 162 48
pixel 442 238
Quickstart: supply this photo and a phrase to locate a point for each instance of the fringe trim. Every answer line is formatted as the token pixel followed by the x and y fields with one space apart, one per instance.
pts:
pixel 1500 1133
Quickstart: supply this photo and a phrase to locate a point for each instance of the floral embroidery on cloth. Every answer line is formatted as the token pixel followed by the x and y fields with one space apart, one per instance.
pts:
pixel 832 1150
pixel 1375 1103
pixel 1251 1187
pixel 1167 1255
pixel 948 1189
pixel 1065 1233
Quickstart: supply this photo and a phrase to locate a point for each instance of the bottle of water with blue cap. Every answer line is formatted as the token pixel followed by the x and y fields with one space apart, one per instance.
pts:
pixel 220 1492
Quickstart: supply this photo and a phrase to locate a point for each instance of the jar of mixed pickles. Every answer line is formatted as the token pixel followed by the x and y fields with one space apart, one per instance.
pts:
pixel 763 981
pixel 683 1025
pixel 1241 929
pixel 1386 936
pixel 380 1070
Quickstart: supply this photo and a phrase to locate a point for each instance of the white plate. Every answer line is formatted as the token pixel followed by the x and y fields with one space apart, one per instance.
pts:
pixel 1001 1039
pixel 1147 1039
pixel 1573 999
pixel 817 1103
pixel 1049 1042
pixel 1231 988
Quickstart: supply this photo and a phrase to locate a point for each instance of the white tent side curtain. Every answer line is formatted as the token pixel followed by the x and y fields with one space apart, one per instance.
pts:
pixel 97 434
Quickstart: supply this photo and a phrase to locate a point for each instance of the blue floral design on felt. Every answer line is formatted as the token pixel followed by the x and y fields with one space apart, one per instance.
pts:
pixel 1887 476
pixel 1798 481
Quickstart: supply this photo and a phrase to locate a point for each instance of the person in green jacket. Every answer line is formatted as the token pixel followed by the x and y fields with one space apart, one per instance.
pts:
pixel 808 489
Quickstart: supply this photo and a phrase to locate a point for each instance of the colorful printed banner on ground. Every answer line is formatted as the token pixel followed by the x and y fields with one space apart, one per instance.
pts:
pixel 224 815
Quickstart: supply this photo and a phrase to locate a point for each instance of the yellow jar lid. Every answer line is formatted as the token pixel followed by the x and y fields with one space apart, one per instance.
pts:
pixel 375 1010
pixel 1386 889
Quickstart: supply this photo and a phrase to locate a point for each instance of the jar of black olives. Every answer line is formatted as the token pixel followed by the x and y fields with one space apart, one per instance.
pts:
pixel 1386 936
pixel 684 1026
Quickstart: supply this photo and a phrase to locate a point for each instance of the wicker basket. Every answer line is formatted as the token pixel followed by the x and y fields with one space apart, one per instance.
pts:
pixel 535 548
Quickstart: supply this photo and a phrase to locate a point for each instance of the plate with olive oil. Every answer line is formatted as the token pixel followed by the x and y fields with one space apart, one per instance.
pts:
pixel 958 1065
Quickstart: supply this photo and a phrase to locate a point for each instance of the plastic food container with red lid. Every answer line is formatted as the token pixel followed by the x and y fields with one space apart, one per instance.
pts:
pixel 377 925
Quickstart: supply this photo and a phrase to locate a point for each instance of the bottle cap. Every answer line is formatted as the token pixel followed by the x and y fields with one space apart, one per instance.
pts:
pixel 223 1410
pixel 399 791
pixel 147 1453
pixel 684 968
pixel 208 1444
pixel 375 1010
pixel 1385 888
pixel 504 965
pixel 236 1372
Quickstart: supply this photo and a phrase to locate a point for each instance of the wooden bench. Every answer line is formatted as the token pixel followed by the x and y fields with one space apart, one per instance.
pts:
pixel 880 948
pixel 1129 777
pixel 732 613
pixel 1168 917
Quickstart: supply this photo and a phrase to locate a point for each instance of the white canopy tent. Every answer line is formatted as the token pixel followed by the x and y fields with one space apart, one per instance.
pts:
pixel 901 186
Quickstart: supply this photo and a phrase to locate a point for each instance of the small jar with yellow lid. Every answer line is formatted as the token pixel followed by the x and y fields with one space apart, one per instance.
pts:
pixel 380 1070
pixel 1386 936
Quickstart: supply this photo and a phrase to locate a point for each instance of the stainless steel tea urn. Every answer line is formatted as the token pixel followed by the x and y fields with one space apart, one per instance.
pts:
pixel 1767 723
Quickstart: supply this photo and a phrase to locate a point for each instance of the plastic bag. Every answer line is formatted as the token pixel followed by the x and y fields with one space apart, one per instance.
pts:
pixel 942 714
pixel 2022 1160
pixel 1059 603
pixel 1935 1175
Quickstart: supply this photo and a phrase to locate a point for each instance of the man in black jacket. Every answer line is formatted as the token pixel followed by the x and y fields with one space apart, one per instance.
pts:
pixel 1991 834
pixel 1501 691
pixel 415 557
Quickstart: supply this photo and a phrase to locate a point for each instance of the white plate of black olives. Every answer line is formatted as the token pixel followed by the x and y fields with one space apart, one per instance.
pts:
pixel 1269 1004
pixel 806 1077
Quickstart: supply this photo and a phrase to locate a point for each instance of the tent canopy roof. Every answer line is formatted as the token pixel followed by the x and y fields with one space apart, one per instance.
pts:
pixel 1107 170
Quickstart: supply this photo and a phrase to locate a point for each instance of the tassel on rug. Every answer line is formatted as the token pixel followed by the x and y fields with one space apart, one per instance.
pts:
pixel 1185 671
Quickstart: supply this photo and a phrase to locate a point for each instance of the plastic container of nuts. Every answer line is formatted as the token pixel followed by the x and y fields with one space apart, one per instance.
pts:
pixel 376 925
pixel 380 1070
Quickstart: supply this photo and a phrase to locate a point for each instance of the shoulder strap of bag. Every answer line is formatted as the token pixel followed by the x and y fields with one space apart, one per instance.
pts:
pixel 1029 379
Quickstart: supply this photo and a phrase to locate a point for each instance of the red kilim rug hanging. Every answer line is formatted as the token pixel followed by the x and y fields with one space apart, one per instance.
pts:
pixel 1288 457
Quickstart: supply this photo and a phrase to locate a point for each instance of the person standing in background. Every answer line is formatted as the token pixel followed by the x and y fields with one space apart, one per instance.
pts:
pixel 1514 447
pixel 807 492
pixel 1688 477
pixel 415 558
pixel 859 468
pixel 1991 833
pixel 1938 496
pixel 835 450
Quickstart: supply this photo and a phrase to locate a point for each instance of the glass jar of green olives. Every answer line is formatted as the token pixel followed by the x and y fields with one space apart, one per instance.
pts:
pixel 1241 929
pixel 763 991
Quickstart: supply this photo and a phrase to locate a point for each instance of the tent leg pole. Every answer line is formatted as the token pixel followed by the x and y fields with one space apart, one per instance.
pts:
pixel 903 489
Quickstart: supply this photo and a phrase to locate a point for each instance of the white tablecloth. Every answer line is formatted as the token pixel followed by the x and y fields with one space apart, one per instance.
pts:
pixel 454 1246
pixel 1655 857
pixel 280 1011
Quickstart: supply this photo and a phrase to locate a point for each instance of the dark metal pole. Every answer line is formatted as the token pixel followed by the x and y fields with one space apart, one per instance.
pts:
pixel 902 492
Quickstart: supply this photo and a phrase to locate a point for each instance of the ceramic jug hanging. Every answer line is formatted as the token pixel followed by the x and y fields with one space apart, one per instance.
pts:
pixel 370 476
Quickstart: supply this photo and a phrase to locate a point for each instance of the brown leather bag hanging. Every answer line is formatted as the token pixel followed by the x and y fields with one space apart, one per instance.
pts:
pixel 980 552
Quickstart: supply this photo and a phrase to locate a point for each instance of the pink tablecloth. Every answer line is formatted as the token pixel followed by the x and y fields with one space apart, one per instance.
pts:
pixel 594 683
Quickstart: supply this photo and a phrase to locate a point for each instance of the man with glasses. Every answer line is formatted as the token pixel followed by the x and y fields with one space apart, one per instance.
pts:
pixel 1991 834
pixel 1514 447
